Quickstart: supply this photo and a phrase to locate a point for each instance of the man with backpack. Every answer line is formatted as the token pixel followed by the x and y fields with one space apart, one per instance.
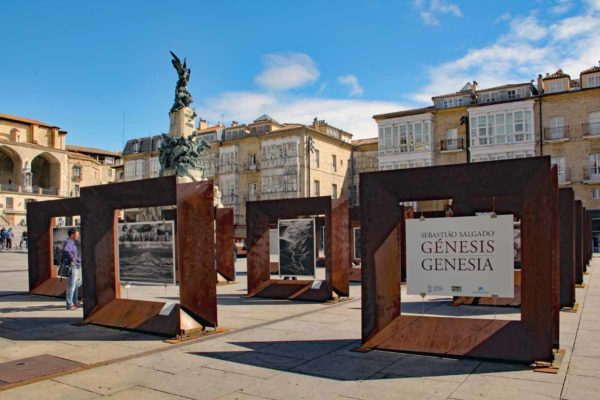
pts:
pixel 72 261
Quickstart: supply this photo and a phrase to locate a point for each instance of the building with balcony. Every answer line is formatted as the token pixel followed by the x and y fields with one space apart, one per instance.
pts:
pixel 260 160
pixel 558 116
pixel 36 164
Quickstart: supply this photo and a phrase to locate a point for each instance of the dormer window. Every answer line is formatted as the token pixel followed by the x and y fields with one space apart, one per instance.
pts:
pixel 555 86
pixel 136 147
pixel 593 81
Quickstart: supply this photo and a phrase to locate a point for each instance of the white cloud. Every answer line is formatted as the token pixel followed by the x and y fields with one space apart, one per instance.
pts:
pixel 561 7
pixel 429 10
pixel 353 84
pixel 526 28
pixel 528 48
pixel 287 71
pixel 354 116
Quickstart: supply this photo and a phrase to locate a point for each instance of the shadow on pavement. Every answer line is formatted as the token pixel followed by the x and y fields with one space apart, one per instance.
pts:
pixel 334 359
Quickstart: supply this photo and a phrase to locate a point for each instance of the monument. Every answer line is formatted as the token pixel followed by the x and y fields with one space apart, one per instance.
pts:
pixel 182 118
pixel 182 152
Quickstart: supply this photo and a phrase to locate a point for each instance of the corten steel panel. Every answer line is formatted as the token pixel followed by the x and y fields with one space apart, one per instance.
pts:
pixel 567 247
pixel 555 256
pixel 340 247
pixel 354 218
pixel 225 243
pixel 40 221
pixel 195 254
pixel 578 242
pixel 99 225
pixel 196 250
pixel 590 251
pixel 532 338
pixel 584 243
pixel 260 214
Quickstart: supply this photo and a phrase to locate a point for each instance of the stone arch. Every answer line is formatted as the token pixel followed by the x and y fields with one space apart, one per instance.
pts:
pixel 11 166
pixel 45 169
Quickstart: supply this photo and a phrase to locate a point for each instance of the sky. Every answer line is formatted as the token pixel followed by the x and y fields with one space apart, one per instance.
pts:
pixel 102 71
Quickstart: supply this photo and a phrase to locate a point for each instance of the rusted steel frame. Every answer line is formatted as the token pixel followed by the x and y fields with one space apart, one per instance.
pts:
pixel 262 214
pixel 195 251
pixel 225 243
pixel 532 338
pixel 40 222
pixel 567 247
pixel 579 240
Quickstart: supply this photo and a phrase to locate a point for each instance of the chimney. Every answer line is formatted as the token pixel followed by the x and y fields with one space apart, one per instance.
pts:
pixel 234 123
pixel 474 86
pixel 203 124
pixel 540 84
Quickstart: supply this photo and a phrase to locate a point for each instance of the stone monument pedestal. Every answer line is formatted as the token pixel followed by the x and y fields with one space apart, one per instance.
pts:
pixel 182 122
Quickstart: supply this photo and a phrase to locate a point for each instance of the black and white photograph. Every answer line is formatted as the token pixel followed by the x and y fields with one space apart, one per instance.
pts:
pixel 274 245
pixel 517 243
pixel 59 235
pixel 356 235
pixel 297 247
pixel 147 252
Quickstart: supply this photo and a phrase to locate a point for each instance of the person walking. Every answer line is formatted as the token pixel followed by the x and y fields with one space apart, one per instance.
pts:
pixel 2 236
pixel 8 236
pixel 72 258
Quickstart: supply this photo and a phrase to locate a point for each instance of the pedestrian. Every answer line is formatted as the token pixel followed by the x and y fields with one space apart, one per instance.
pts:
pixel 72 259
pixel 235 251
pixel 23 242
pixel 2 237
pixel 8 238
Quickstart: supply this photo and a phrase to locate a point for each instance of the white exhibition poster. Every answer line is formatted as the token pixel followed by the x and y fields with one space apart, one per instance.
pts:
pixel 460 256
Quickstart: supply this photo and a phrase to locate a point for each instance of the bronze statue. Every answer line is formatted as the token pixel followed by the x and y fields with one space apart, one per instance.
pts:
pixel 183 154
pixel 183 98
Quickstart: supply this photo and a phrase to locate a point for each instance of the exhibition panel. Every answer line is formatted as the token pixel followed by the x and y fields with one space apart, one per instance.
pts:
pixel 532 338
pixel 297 223
pixel 43 279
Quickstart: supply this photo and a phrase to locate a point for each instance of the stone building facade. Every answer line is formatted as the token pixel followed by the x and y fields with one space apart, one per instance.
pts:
pixel 261 160
pixel 557 116
pixel 36 164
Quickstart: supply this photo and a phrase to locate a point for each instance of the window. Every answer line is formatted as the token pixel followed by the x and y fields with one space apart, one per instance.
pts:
pixel 76 191
pixel 10 203
pixel 334 192
pixel 596 193
pixel 556 128
pixel 334 162
pixel 452 134
pixel 154 167
pixel 252 191
pixel 593 124
pixel 594 81
pixel 555 86
pixel 136 147
pixel 110 172
pixel 76 172
pixel 316 158
pixel 502 127
pixel 562 170
pixel 317 187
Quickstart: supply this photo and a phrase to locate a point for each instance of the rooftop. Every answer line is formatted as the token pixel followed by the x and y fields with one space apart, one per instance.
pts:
pixel 15 118
pixel 92 150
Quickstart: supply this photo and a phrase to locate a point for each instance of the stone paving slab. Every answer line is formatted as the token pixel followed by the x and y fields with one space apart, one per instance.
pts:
pixel 304 351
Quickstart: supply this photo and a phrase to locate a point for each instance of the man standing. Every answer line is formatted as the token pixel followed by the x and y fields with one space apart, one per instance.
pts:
pixel 72 258
pixel 8 237
pixel 2 233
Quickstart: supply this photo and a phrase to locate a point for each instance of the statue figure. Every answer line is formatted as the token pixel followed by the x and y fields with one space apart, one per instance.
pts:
pixel 183 98
pixel 183 154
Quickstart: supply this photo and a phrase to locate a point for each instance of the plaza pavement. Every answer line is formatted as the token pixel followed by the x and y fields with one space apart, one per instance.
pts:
pixel 276 350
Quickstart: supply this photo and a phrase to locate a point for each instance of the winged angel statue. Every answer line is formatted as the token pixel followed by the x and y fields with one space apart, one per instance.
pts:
pixel 183 98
